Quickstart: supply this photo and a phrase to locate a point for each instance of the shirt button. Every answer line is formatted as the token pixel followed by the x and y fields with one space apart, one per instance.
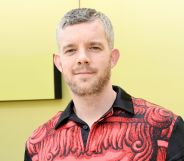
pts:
pixel 85 127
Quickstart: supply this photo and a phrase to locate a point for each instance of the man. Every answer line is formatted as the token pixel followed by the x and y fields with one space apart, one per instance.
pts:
pixel 102 122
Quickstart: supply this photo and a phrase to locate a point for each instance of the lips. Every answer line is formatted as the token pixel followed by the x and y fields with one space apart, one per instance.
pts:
pixel 84 71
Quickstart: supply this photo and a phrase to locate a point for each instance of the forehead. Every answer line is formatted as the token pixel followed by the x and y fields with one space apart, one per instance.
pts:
pixel 83 32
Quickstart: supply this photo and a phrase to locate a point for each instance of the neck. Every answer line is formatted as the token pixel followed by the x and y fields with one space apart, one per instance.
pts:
pixel 91 108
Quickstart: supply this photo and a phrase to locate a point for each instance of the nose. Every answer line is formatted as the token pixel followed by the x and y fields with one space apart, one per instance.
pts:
pixel 83 58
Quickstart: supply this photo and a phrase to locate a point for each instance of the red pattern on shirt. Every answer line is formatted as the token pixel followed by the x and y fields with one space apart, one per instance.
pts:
pixel 115 138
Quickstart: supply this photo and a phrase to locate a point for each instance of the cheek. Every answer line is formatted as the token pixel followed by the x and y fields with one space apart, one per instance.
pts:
pixel 105 61
pixel 66 68
pixel 67 62
pixel 64 63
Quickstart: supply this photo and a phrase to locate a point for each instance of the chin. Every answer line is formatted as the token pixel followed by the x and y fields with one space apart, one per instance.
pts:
pixel 86 90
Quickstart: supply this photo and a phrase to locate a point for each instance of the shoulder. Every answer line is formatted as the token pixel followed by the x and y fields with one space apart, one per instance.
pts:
pixel 42 131
pixel 155 115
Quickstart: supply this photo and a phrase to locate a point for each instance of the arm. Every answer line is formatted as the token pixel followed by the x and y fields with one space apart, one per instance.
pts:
pixel 176 143
pixel 27 156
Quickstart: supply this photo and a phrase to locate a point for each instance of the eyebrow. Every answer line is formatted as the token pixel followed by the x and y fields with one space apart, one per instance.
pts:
pixel 96 43
pixel 90 43
pixel 68 46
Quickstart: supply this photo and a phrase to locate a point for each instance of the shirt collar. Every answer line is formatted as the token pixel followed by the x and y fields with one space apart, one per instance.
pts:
pixel 123 101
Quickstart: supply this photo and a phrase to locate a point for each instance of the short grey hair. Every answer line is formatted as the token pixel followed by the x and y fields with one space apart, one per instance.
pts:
pixel 82 15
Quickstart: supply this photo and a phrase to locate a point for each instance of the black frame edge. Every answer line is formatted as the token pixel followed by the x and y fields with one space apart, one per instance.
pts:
pixel 57 83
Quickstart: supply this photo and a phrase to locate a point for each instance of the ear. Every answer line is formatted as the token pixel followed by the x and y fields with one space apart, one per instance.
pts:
pixel 57 62
pixel 114 57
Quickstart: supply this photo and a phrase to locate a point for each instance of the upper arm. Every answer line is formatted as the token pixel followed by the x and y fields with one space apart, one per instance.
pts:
pixel 175 150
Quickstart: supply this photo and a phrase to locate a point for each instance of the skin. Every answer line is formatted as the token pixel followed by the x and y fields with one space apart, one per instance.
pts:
pixel 85 60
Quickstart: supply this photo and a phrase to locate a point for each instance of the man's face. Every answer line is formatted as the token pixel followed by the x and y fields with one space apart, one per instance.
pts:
pixel 85 58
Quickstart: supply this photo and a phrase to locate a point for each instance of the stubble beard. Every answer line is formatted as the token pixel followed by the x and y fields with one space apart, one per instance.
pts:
pixel 96 86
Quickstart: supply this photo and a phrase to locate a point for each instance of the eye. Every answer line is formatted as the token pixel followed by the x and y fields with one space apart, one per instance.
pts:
pixel 70 51
pixel 95 48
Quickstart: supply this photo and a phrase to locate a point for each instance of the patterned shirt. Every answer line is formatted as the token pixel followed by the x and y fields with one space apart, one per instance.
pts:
pixel 132 130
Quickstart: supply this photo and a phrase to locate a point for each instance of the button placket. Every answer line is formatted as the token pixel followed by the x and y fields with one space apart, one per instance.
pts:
pixel 85 127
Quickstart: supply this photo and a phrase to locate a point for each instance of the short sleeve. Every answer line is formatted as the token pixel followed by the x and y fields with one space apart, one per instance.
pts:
pixel 27 156
pixel 176 143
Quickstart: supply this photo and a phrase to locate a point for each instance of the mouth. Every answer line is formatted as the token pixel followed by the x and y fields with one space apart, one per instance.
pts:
pixel 84 73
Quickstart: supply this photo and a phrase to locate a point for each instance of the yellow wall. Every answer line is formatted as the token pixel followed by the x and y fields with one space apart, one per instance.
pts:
pixel 27 47
pixel 19 118
pixel 150 36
